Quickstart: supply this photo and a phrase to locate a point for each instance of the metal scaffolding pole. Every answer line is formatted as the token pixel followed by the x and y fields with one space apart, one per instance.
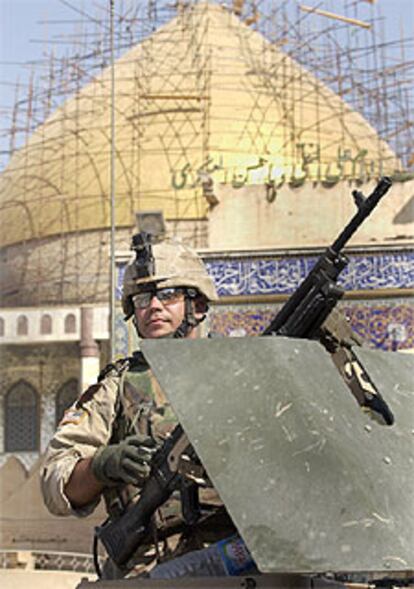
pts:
pixel 112 184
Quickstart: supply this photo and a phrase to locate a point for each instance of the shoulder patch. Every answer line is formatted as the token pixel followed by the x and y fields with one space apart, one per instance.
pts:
pixel 73 415
pixel 87 395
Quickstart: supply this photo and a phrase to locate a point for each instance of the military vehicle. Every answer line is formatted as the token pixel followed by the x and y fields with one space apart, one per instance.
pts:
pixel 314 485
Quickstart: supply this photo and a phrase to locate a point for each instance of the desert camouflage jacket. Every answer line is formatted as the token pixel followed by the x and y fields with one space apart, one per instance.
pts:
pixel 125 400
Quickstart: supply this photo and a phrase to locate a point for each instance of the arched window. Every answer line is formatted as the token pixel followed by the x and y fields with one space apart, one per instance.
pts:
pixel 70 323
pixel 66 396
pixel 22 325
pixel 1 326
pixel 21 416
pixel 46 324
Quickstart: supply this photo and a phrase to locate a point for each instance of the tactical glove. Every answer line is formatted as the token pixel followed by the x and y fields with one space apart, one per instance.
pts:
pixel 126 462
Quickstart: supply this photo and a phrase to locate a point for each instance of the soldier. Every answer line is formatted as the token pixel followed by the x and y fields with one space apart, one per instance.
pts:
pixel 105 441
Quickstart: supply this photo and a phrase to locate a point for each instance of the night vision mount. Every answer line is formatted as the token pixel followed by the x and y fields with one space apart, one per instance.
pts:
pixel 142 245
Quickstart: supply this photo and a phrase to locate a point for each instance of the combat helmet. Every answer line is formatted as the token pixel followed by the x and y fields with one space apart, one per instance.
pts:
pixel 166 263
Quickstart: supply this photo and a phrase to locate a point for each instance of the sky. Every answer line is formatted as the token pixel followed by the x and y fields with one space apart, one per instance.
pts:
pixel 25 25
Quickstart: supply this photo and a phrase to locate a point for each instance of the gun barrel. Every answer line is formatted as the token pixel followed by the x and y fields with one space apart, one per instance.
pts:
pixel 364 210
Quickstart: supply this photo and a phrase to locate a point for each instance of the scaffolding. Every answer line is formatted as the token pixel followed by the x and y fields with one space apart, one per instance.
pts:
pixel 348 52
pixel 241 91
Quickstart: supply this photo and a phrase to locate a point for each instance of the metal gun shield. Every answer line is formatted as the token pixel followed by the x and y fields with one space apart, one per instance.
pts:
pixel 311 482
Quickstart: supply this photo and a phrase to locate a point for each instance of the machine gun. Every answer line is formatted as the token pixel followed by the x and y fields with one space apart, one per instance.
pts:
pixel 309 306
pixel 308 313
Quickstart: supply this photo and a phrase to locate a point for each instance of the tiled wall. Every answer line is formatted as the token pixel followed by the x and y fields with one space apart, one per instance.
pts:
pixel 281 275
pixel 384 321
pixel 387 325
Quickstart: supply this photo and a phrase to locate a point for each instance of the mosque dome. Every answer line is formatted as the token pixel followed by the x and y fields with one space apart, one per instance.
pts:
pixel 204 95
pixel 204 90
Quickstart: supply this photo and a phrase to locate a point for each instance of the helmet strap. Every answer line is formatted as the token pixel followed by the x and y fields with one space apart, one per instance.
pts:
pixel 190 320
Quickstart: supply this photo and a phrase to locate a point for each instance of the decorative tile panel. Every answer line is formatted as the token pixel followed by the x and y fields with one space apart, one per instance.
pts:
pixel 384 325
pixel 251 276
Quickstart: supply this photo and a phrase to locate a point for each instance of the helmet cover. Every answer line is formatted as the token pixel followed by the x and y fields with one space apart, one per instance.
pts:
pixel 171 264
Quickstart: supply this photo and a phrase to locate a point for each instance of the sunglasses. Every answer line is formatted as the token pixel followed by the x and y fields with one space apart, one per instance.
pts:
pixel 167 296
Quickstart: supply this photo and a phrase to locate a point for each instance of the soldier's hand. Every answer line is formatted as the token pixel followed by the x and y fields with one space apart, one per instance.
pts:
pixel 126 462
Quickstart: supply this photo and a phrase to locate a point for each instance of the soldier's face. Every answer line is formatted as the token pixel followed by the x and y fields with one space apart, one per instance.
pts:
pixel 159 319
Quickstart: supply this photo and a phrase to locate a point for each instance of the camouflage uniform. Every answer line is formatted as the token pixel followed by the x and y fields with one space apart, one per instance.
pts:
pixel 126 400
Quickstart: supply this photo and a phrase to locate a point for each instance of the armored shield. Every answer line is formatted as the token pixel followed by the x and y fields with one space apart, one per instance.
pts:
pixel 311 482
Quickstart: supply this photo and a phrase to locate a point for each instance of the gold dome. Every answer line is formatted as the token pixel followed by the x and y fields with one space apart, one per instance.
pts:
pixel 202 97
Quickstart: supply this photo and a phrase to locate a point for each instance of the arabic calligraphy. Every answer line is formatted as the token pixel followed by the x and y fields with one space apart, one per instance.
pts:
pixel 189 178
pixel 307 164
pixel 283 275
pixel 252 276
